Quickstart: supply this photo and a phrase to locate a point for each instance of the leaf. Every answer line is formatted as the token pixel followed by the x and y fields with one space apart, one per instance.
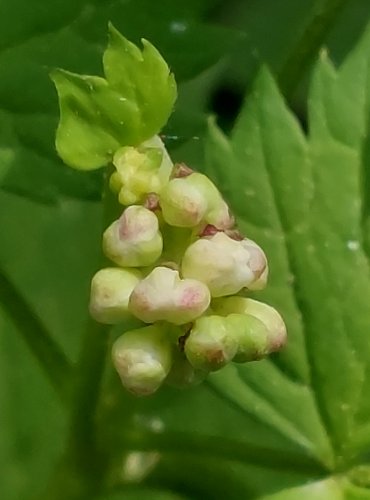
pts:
pixel 50 252
pixel 300 198
pixel 328 489
pixel 142 77
pixel 94 120
pixel 97 116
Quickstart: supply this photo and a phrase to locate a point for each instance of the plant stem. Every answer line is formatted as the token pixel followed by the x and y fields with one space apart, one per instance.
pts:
pixel 47 352
pixel 310 41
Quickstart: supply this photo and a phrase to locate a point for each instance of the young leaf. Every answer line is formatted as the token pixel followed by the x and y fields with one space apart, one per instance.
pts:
pixel 94 120
pixel 142 77
pixel 131 105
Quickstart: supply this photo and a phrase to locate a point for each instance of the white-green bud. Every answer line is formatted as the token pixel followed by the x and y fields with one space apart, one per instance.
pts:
pixel 210 346
pixel 142 359
pixel 163 296
pixel 277 334
pixel 188 201
pixel 110 292
pixel 225 265
pixel 182 203
pixel 134 240
pixel 140 171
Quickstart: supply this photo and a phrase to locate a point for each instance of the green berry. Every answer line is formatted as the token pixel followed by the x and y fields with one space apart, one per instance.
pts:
pixel 142 359
pixel 210 346
pixel 225 265
pixel 163 296
pixel 134 239
pixel 110 292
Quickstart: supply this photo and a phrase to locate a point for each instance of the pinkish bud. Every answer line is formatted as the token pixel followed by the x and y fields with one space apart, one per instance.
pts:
pixel 134 239
pixel 163 296
pixel 142 359
pixel 224 264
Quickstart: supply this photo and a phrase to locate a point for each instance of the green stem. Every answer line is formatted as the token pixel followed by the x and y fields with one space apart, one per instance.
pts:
pixel 311 40
pixel 47 352
pixel 90 367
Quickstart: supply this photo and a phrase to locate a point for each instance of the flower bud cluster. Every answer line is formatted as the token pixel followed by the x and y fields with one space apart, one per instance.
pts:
pixel 180 262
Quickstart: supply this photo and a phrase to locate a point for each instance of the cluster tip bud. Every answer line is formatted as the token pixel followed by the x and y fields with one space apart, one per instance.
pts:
pixel 140 171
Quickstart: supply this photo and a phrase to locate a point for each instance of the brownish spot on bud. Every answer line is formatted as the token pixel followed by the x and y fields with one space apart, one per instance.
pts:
pixel 278 342
pixel 234 234
pixel 152 202
pixel 181 170
pixel 216 357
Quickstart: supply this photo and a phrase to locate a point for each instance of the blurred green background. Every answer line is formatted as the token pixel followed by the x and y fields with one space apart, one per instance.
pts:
pixel 50 235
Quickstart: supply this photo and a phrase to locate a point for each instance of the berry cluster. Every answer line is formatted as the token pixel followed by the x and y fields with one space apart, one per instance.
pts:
pixel 180 265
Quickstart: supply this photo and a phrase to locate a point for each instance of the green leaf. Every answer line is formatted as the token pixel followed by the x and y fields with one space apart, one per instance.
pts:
pixel 97 116
pixel 50 252
pixel 94 120
pixel 320 490
pixel 300 198
pixel 143 78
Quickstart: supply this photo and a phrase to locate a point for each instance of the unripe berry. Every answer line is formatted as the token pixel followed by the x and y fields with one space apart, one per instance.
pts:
pixel 210 346
pixel 163 296
pixel 134 239
pixel 142 359
pixel 110 292
pixel 269 316
pixel 225 265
